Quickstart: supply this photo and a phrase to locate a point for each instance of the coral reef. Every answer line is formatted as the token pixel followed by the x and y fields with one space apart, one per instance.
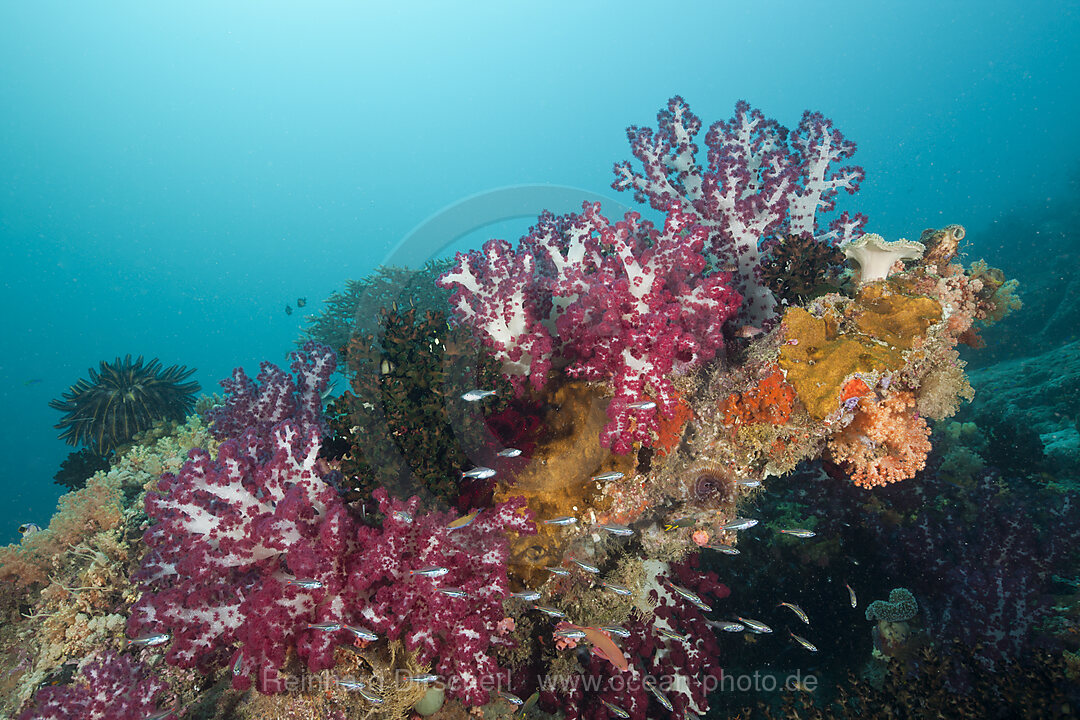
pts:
pixel 1035 688
pixel 771 401
pixel 886 442
pixel 74 575
pixel 1039 394
pixel 95 508
pixel 877 256
pixel 527 499
pixel 900 606
pixel 403 382
pixel 256 406
pixel 355 311
pixel 78 466
pixel 671 650
pixel 253 553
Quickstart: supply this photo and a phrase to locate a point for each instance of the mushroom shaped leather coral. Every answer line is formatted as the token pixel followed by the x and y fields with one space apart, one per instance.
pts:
pixel 876 255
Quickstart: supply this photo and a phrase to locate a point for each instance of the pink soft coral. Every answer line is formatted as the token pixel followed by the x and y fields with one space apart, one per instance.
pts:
pixel 755 180
pixel 629 303
pixel 247 554
pixel 112 687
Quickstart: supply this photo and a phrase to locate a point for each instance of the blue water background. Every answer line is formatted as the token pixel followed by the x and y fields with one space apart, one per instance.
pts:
pixel 172 175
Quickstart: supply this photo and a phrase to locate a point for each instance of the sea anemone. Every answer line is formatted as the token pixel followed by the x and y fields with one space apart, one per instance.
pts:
pixel 121 399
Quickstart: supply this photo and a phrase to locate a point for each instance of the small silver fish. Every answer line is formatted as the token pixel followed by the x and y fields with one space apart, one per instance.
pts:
pixel 362 633
pixel 527 595
pixel 150 640
pixel 754 626
pixel 351 684
pixel 616 630
pixel 508 453
pixel 548 610
pixel 238 666
pixel 402 516
pixel 556 570
pixel 615 709
pixel 562 520
pixel 620 530
pixel 660 697
pixel 797 610
pixel 740 524
pixel 423 678
pixel 585 566
pixel 570 633
pixel 799 532
pixel 851 596
pixel 803 641
pixel 671 634
pixel 510 697
pixel 721 547
pixel 690 596
pixel 474 395
pixel 479 472
pixel 641 405
pixel 453 592
pixel 431 571
pixel 370 696
pixel 750 483
pixel 727 625
pixel 305 584
pixel 616 588
pixel 325 626
pixel 608 476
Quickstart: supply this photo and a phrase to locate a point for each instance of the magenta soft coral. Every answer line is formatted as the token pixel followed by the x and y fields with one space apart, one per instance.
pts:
pixel 758 179
pixel 452 633
pixel 230 536
pixel 628 303
pixel 643 313
pixel 111 687
pixel 234 537
pixel 274 395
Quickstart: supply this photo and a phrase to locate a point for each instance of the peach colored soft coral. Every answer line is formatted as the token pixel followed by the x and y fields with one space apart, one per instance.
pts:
pixel 886 442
